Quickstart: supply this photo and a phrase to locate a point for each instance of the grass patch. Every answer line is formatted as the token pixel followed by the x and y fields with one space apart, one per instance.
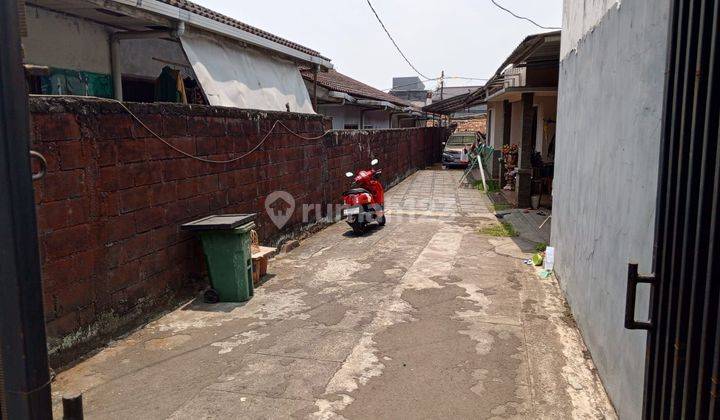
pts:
pixel 502 229
pixel 492 186
pixel 501 207
pixel 541 247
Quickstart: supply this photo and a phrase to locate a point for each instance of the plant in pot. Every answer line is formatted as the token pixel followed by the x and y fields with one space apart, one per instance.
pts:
pixel 510 154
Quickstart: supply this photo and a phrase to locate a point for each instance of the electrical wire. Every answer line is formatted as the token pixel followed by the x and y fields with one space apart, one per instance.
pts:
pixel 393 41
pixel 523 17
pixel 184 153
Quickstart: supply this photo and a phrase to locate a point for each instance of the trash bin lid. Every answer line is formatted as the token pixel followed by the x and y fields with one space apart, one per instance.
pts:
pixel 219 222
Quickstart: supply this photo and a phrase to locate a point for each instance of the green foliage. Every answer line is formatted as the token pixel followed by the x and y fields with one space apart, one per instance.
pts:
pixel 541 247
pixel 501 207
pixel 502 229
pixel 493 186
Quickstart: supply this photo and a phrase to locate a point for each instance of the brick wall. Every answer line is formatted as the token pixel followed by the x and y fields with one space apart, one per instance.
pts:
pixel 111 203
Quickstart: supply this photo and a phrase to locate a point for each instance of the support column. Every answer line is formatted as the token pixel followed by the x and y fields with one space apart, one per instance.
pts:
pixel 507 126
pixel 524 176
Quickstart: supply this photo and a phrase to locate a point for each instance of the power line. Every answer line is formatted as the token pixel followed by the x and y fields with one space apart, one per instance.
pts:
pixel 522 17
pixel 393 41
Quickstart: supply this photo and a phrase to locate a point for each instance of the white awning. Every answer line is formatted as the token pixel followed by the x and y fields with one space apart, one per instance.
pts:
pixel 233 76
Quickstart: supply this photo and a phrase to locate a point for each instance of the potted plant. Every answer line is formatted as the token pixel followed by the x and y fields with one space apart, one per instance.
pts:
pixel 510 154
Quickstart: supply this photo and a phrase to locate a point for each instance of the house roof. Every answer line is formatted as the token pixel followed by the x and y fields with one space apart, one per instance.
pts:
pixel 144 15
pixel 219 17
pixel 336 81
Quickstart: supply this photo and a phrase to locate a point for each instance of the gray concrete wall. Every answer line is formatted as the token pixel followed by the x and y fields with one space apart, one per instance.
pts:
pixel 606 169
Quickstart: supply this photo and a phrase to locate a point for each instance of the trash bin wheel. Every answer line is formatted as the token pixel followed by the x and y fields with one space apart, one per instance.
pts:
pixel 211 296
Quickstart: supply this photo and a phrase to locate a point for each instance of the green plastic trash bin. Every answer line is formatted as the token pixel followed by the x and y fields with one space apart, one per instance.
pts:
pixel 226 245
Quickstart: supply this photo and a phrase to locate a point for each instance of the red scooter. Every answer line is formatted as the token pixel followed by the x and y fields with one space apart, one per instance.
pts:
pixel 365 200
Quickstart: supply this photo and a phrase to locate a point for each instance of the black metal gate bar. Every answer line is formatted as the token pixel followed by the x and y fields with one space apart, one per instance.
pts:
pixel 684 344
pixel 695 255
pixel 22 323
pixel 704 145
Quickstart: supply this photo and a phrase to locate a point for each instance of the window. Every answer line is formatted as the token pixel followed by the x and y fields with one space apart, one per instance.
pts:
pixel 351 127
pixel 368 127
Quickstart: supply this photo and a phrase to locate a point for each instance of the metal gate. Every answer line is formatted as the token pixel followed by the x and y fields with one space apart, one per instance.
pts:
pixel 683 347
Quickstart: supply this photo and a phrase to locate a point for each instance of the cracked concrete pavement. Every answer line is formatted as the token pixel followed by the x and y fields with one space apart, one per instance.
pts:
pixel 423 318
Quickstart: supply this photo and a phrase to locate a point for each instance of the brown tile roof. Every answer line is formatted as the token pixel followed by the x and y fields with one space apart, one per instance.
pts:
pixel 219 17
pixel 338 82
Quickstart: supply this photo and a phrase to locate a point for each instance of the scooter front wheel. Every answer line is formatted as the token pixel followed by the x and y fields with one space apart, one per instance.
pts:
pixel 382 220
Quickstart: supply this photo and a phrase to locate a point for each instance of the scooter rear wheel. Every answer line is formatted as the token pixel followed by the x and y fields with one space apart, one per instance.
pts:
pixel 357 227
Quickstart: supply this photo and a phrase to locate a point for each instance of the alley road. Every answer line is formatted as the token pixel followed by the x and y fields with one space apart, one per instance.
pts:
pixel 424 318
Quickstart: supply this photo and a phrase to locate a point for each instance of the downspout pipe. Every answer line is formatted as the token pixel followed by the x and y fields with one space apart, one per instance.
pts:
pixel 115 39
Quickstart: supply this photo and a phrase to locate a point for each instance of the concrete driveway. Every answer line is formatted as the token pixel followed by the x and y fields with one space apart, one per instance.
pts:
pixel 424 318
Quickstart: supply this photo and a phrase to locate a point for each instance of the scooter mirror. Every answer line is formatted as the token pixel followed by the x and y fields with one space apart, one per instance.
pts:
pixel 374 162
pixel 349 174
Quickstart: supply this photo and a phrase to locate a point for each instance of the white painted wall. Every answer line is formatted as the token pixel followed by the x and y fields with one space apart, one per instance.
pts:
pixel 61 41
pixel 136 57
pixel 580 17
pixel 350 114
pixel 605 186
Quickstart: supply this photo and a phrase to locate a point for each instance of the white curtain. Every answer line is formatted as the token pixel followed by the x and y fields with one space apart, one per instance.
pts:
pixel 233 76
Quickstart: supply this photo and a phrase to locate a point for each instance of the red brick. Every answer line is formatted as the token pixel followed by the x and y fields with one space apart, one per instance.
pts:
pixel 108 257
pixel 136 246
pixel 174 126
pixel 177 211
pixel 115 126
pixel 60 214
pixel 153 122
pixel 107 178
pixel 72 155
pixel 176 169
pixel 109 204
pixel 117 228
pixel 149 218
pixel 63 185
pixel 67 241
pixel 121 277
pixel 52 127
pixel 153 263
pixel 208 183
pixel 163 193
pixel 199 206
pixel 106 153
pixel 219 200
pixel 187 188
pixel 165 236
pixel 145 173
pixel 131 150
pixel 207 146
pixel 62 326
pixel 134 199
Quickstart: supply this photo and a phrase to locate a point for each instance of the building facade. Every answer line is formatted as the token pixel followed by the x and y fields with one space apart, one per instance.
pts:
pixel 605 187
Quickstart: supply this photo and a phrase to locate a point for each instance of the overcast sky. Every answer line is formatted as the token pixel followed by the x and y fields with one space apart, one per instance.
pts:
pixel 468 38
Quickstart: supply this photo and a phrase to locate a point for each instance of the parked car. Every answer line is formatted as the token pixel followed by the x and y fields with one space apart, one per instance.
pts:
pixel 455 153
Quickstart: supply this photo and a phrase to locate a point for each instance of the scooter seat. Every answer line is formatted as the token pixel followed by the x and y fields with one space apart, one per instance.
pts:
pixel 356 191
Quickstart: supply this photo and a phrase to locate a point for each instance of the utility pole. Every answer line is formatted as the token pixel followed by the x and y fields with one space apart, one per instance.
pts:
pixel 24 375
pixel 442 84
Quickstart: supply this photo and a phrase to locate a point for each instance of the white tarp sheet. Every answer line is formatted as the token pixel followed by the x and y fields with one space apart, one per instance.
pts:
pixel 233 76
